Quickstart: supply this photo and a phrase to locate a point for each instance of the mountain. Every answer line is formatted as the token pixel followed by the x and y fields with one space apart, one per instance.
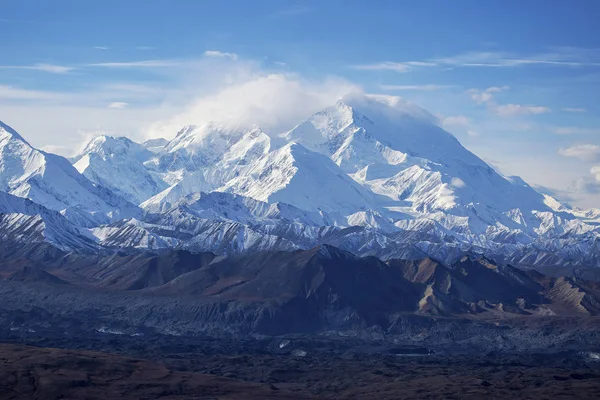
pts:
pixel 322 290
pixel 203 158
pixel 51 181
pixel 373 175
pixel 22 220
pixel 295 175
pixel 118 164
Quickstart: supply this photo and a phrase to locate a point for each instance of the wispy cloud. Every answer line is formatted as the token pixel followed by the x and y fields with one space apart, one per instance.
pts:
pixel 292 10
pixel 504 110
pixel 508 110
pixel 562 56
pixel 585 152
pixel 118 104
pixel 14 93
pixel 393 66
pixel 572 130
pixel 415 87
pixel 137 64
pixel 383 66
pixel 220 54
pixel 51 68
pixel 484 96
pixel 459 122
pixel 574 110
pixel 101 47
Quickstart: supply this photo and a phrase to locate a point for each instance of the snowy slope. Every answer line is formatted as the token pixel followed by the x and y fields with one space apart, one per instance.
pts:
pixel 305 179
pixel 118 164
pixel 51 181
pixel 23 220
pixel 203 159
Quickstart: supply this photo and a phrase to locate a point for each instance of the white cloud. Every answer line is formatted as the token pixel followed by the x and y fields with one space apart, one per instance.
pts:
pixel 118 104
pixel 595 171
pixel 458 120
pixel 485 96
pixel 217 53
pixel 415 87
pixel 558 57
pixel 508 110
pixel 51 68
pixel 504 110
pixel 572 130
pixel 275 102
pixel 585 152
pixel 472 133
pixel 457 183
pixel 13 93
pixel 575 110
pixel 384 66
pixel 101 48
pixel 138 64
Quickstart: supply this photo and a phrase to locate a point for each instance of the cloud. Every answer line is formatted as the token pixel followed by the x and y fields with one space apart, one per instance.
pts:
pixel 585 152
pixel 291 11
pixel 585 184
pixel 415 87
pixel 508 110
pixel 595 171
pixel 572 130
pixel 458 120
pixel 118 104
pixel 275 102
pixel 504 110
pixel 13 93
pixel 457 183
pixel 486 95
pixel 384 66
pixel 138 64
pixel 217 53
pixel 575 110
pixel 557 57
pixel 54 69
pixel 57 149
pixel 101 47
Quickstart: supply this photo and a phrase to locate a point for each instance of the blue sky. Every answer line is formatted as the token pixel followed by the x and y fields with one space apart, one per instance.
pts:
pixel 516 81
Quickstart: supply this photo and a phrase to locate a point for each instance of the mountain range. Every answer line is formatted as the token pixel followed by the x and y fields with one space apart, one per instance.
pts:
pixel 373 175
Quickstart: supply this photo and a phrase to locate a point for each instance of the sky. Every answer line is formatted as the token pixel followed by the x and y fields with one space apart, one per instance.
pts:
pixel 517 82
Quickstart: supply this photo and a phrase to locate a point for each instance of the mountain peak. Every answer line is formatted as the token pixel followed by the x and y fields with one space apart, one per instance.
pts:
pixel 8 132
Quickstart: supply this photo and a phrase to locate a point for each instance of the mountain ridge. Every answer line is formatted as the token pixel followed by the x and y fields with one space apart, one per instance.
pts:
pixel 370 174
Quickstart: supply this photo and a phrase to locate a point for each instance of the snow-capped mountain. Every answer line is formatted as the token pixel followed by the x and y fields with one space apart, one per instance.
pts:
pixel 374 175
pixel 22 220
pixel 118 164
pixel 51 181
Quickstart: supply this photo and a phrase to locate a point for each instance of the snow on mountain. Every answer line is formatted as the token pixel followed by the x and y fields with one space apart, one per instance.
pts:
pixel 203 159
pixel 25 221
pixel 374 175
pixel 397 150
pixel 133 233
pixel 51 181
pixel 295 175
pixel 118 164
pixel 155 145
